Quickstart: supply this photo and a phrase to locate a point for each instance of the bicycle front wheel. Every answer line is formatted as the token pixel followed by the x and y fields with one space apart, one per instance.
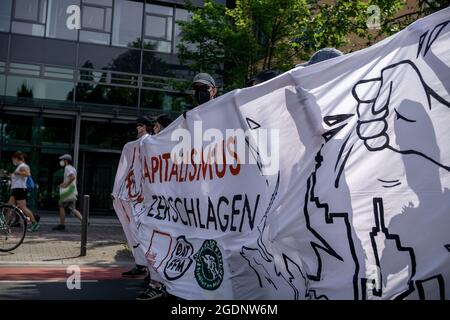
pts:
pixel 13 227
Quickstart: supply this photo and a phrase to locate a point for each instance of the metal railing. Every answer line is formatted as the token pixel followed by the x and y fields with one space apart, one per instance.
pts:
pixel 115 111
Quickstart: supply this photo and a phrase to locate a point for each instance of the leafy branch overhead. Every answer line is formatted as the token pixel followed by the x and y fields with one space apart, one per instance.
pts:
pixel 236 43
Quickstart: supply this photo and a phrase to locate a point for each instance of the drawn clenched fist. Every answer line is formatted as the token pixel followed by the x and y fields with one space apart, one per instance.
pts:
pixel 394 112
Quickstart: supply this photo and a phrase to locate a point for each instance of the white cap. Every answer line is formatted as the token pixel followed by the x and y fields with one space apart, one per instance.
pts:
pixel 66 157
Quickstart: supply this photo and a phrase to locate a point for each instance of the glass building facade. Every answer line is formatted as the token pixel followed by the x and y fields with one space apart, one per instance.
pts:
pixel 74 75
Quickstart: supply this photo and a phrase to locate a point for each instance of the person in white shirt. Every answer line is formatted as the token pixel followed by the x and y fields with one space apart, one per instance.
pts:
pixel 67 192
pixel 19 189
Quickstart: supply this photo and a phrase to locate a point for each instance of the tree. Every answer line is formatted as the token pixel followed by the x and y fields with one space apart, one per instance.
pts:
pixel 235 43
pixel 422 8
pixel 24 92
pixel 272 24
pixel 212 42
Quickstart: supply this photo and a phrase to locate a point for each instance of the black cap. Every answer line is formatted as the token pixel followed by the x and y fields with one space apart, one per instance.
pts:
pixel 262 77
pixel 145 120
pixel 164 120
pixel 322 55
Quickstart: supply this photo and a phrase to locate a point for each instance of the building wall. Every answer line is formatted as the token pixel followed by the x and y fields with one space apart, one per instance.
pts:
pixel 78 91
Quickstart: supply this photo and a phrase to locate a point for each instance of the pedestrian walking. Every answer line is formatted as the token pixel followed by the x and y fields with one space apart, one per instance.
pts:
pixel 67 192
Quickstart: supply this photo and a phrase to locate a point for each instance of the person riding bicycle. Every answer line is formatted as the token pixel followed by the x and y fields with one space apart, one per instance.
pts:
pixel 19 189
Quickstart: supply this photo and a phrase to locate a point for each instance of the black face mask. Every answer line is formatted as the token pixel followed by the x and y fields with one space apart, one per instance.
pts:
pixel 202 95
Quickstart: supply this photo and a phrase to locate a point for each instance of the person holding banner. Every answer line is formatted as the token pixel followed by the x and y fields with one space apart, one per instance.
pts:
pixel 322 55
pixel 262 76
pixel 144 126
pixel 204 88
pixel 155 289
pixel 161 122
pixel 121 195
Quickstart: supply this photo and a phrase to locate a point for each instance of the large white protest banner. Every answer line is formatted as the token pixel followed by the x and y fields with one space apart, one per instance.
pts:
pixel 327 182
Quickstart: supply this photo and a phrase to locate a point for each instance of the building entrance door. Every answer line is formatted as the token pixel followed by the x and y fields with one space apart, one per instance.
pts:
pixel 97 171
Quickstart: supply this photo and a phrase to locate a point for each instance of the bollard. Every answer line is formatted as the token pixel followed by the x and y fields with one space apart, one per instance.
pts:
pixel 84 225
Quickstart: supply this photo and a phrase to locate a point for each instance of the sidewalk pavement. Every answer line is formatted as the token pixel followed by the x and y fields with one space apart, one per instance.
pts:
pixel 106 244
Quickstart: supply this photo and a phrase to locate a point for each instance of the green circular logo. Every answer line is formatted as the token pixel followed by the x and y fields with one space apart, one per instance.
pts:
pixel 209 266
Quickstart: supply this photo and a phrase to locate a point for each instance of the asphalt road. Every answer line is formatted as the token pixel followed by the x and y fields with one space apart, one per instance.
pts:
pixel 57 290
pixel 42 283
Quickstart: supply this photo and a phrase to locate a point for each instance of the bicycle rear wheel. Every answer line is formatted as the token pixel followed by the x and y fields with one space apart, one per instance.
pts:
pixel 13 227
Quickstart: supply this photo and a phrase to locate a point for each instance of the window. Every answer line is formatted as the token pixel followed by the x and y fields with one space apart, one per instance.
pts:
pixel 4 39
pixel 27 28
pixel 2 84
pixel 104 94
pixel 16 129
pixel 162 100
pixel 160 10
pixel 5 15
pixel 56 132
pixel 96 57
pixel 97 73
pixel 152 99
pixel 62 73
pixel 155 64
pixel 57 19
pixel 111 135
pixel 158 28
pixel 27 10
pixel 157 45
pixel 25 87
pixel 96 16
pixel 126 33
pixel 26 69
pixel 181 15
pixel 94 37
pixel 105 3
pixel 29 17
pixel 48 51
pixel 35 70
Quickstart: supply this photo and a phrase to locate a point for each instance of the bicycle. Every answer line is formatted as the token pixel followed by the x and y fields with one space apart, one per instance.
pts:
pixel 13 224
